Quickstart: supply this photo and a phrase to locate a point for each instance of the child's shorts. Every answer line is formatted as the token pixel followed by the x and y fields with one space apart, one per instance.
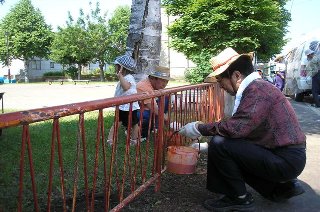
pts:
pixel 124 117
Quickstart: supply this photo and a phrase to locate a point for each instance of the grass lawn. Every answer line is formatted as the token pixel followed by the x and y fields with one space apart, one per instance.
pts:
pixel 40 136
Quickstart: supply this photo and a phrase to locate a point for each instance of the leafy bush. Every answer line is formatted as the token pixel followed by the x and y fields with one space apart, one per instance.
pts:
pixel 90 76
pixel 71 72
pixel 96 71
pixel 110 77
pixel 110 70
pixel 110 74
pixel 54 73
pixel 203 69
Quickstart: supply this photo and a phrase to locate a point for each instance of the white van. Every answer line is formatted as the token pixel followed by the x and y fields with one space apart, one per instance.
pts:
pixel 298 80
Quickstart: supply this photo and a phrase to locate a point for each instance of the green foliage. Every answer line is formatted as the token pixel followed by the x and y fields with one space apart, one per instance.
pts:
pixel 118 29
pixel 111 69
pixel 41 147
pixel 203 69
pixel 92 38
pixel 71 72
pixel 54 73
pixel 96 71
pixel 110 76
pixel 71 45
pixel 209 26
pixel 28 34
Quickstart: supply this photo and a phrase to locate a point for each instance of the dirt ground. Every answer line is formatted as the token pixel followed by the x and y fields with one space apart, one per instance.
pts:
pixel 177 193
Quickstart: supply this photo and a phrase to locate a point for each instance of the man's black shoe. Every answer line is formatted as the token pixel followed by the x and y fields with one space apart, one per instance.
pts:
pixel 230 204
pixel 287 190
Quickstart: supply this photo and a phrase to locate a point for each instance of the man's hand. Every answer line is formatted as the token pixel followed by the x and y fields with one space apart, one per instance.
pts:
pixel 190 130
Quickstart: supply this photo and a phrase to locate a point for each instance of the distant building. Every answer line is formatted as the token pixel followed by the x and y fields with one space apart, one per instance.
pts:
pixel 177 62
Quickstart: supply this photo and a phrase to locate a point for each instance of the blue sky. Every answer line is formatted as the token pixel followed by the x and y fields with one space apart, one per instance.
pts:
pixel 56 11
pixel 304 21
pixel 304 14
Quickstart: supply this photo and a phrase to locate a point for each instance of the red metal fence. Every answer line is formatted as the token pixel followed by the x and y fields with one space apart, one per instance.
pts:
pixel 65 164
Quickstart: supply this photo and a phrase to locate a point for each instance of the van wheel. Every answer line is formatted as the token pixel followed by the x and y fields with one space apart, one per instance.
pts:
pixel 298 97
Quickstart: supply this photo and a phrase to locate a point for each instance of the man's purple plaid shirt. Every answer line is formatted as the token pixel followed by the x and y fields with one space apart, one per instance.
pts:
pixel 264 117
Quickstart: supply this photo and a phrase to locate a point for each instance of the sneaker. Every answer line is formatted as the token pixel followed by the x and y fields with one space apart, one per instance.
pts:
pixel 133 142
pixel 109 141
pixel 231 204
pixel 286 191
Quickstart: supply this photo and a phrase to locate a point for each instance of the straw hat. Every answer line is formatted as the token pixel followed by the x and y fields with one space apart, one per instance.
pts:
pixel 224 59
pixel 161 72
pixel 127 62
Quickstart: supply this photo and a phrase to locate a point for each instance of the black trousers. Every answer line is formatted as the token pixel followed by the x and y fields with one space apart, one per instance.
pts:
pixel 316 88
pixel 234 162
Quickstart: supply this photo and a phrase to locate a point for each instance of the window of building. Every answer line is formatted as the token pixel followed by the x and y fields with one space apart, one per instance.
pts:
pixel 35 64
pixel 51 64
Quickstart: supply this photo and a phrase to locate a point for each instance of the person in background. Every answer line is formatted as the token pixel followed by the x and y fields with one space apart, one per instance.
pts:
pixel 261 144
pixel 126 66
pixel 265 77
pixel 304 62
pixel 260 72
pixel 279 80
pixel 313 67
pixel 157 79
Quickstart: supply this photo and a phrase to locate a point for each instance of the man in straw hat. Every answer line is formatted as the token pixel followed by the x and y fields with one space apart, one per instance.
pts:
pixel 157 79
pixel 261 144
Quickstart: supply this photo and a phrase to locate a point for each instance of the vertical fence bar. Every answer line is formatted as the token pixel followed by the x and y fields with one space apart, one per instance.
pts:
pixel 23 148
pixel 53 136
pixel 113 160
pixel 34 190
pixel 190 103
pixel 159 141
pixel 84 153
pixel 63 193
pixel 96 158
pixel 76 166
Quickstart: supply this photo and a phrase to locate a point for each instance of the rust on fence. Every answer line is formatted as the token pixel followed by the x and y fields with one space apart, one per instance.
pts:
pixel 81 169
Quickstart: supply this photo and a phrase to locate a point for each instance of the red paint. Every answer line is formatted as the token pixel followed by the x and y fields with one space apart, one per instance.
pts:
pixel 182 159
pixel 180 168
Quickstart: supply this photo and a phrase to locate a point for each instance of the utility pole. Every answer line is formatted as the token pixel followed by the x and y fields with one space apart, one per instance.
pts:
pixel 7 42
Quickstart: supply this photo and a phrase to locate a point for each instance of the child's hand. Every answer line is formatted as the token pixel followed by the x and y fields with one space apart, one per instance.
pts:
pixel 120 72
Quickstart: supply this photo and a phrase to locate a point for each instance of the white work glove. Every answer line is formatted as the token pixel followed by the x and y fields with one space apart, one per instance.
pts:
pixel 190 130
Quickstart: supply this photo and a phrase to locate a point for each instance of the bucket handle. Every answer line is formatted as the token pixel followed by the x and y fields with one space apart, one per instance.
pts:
pixel 177 131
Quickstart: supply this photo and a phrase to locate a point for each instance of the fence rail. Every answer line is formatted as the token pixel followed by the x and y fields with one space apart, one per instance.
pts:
pixel 65 164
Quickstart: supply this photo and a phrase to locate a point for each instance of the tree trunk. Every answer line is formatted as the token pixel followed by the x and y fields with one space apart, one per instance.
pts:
pixel 144 39
pixel 25 71
pixel 79 71
pixel 101 72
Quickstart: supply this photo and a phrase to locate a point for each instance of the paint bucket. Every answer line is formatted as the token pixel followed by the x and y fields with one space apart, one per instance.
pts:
pixel 182 159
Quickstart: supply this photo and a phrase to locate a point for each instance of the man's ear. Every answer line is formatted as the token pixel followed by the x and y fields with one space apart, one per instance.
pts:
pixel 237 75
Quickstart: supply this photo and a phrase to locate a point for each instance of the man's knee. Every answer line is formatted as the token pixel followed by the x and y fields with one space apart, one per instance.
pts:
pixel 216 143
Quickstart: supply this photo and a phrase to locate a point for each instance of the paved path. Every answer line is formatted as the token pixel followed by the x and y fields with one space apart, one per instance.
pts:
pixel 309 118
pixel 31 96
